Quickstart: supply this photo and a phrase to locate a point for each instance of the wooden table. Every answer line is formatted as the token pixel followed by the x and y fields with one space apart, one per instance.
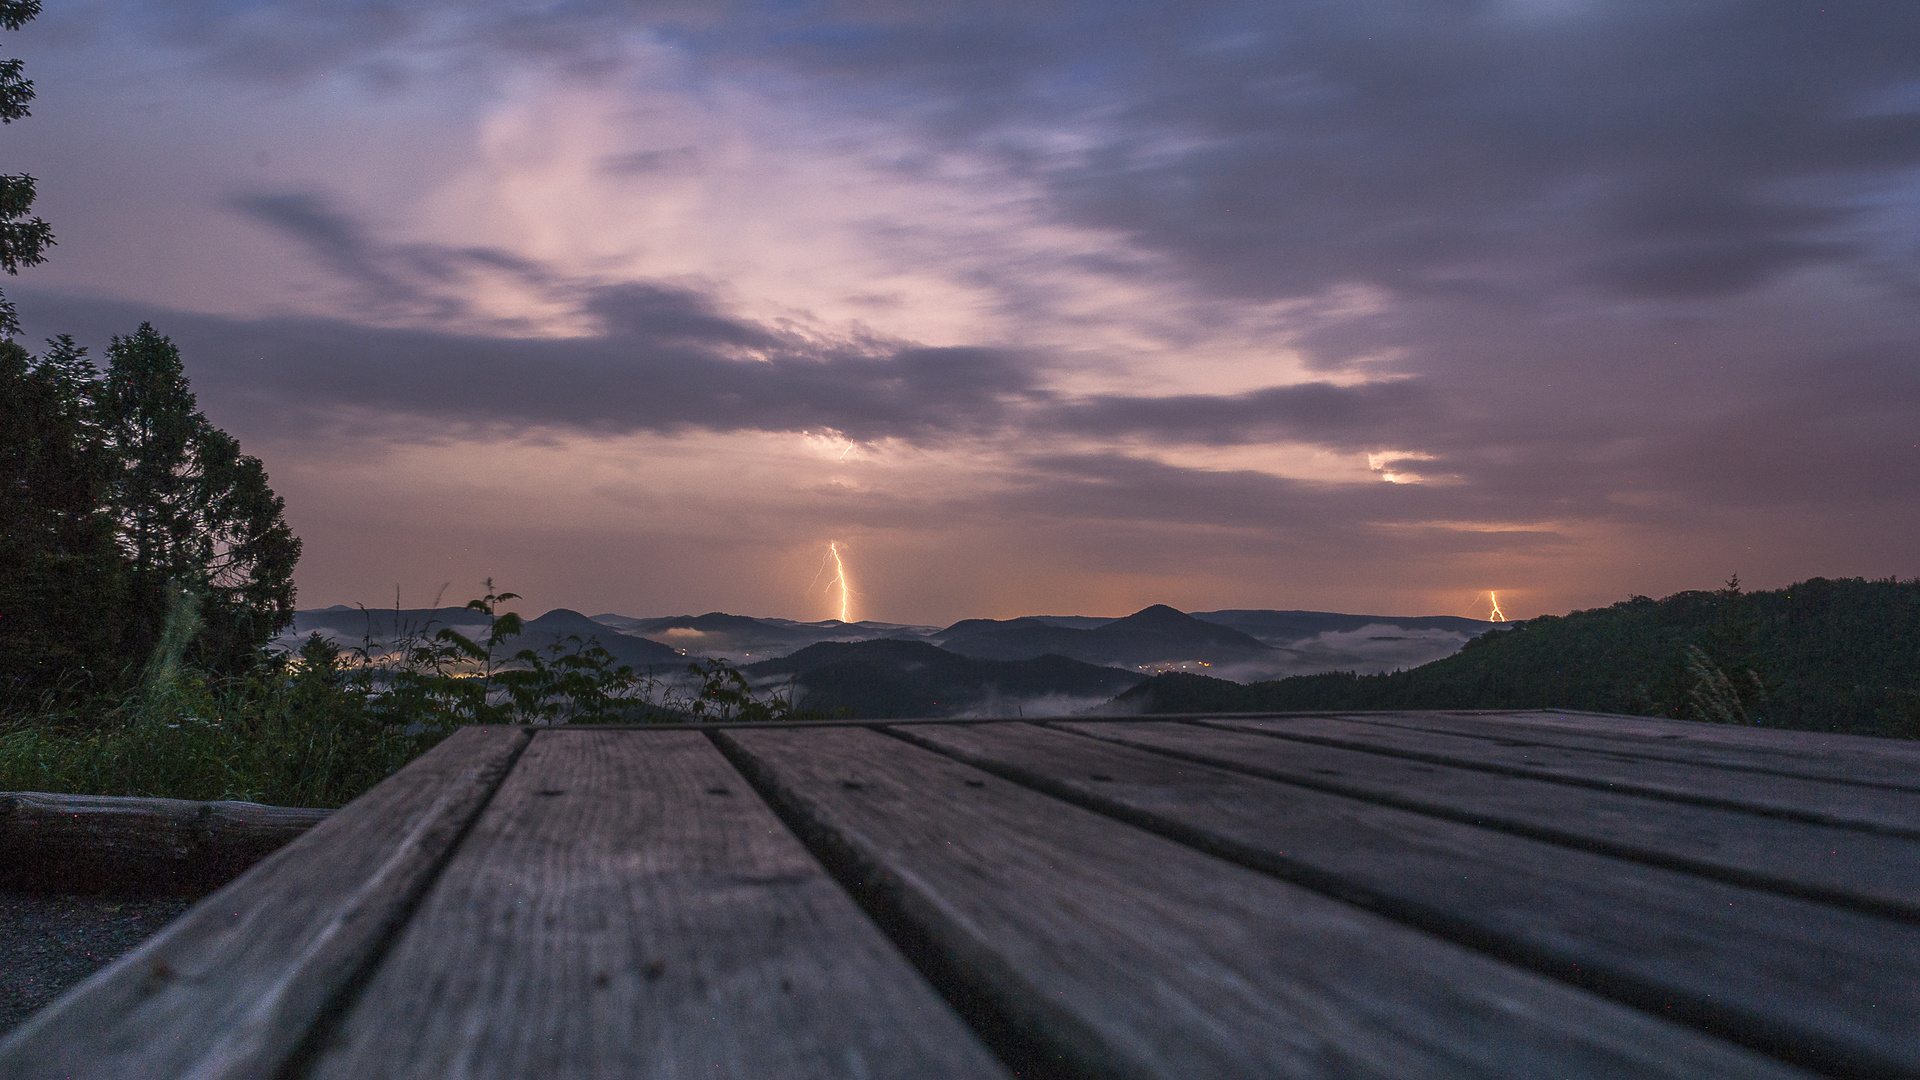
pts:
pixel 1385 895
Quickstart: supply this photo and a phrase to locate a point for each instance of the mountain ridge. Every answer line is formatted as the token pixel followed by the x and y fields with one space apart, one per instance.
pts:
pixel 890 678
pixel 1820 655
pixel 1265 643
pixel 1155 634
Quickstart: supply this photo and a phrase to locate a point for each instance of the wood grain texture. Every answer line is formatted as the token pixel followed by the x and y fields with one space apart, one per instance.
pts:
pixel 628 907
pixel 1786 757
pixel 92 843
pixel 1865 870
pixel 1821 802
pixel 1801 743
pixel 232 988
pixel 1791 976
pixel 1136 956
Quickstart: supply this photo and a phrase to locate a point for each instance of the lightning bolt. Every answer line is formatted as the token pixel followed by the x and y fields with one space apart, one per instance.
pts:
pixel 840 578
pixel 1498 615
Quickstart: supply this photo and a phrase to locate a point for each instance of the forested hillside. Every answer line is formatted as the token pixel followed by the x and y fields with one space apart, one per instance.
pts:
pixel 1822 655
pixel 878 680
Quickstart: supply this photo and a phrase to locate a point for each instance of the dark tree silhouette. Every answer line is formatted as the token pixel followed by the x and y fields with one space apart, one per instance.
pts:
pixel 124 510
pixel 23 239
pixel 62 578
pixel 192 511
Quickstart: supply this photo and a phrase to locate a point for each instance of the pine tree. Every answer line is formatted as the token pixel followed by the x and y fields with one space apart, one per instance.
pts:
pixel 63 589
pixel 116 494
pixel 192 512
pixel 23 239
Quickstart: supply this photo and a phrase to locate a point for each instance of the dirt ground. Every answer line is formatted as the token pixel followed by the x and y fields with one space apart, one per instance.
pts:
pixel 49 943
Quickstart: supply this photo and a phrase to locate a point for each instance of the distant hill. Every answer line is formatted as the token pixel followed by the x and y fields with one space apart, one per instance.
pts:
pixel 349 624
pixel 352 626
pixel 966 627
pixel 718 633
pixel 741 638
pixel 556 625
pixel 1299 642
pixel 1821 655
pixel 721 622
pixel 1077 622
pixel 718 622
pixel 885 679
pixel 1241 644
pixel 1295 642
pixel 1277 627
pixel 1153 635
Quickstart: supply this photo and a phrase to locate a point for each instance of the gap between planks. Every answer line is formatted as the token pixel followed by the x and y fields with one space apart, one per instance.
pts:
pixel 1887 770
pixel 1749 974
pixel 625 906
pixel 1864 870
pixel 1816 801
pixel 237 986
pixel 1153 958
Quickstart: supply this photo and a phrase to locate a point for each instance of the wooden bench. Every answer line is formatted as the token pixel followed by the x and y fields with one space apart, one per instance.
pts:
pixel 1387 895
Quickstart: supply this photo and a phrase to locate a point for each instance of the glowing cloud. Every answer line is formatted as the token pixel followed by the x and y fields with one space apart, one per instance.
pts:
pixel 1386 465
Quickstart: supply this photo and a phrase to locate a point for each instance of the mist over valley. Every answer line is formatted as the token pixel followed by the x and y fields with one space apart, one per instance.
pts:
pixel 1029 666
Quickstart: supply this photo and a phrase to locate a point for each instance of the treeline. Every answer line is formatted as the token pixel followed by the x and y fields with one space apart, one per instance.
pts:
pixel 127 521
pixel 1822 655
pixel 145 570
pixel 129 518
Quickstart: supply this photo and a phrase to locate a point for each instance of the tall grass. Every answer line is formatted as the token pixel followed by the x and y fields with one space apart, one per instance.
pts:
pixel 276 738
pixel 318 727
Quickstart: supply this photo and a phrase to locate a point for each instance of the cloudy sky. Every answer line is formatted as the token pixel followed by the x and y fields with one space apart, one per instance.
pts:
pixel 1034 307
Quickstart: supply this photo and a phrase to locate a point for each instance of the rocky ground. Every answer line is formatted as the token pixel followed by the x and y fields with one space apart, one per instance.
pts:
pixel 49 943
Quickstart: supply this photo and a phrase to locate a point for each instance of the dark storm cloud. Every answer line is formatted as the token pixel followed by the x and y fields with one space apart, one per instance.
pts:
pixel 668 357
pixel 1533 192
pixel 1127 491
pixel 1348 417
pixel 1120 488
pixel 387 279
pixel 665 356
pixel 1517 150
pixel 1280 148
pixel 1655 150
pixel 390 46
pixel 1565 217
pixel 279 43
pixel 666 362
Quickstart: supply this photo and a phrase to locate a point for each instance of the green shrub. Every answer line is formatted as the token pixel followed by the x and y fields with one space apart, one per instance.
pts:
pixel 322 725
pixel 289 738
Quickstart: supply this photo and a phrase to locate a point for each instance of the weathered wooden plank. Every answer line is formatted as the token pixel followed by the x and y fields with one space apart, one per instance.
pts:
pixel 1131 955
pixel 92 843
pixel 627 906
pixel 1800 743
pixel 1823 802
pixel 1786 975
pixel 231 988
pixel 1786 757
pixel 1866 870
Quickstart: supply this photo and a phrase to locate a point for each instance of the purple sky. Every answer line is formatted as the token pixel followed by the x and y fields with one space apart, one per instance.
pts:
pixel 1061 308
